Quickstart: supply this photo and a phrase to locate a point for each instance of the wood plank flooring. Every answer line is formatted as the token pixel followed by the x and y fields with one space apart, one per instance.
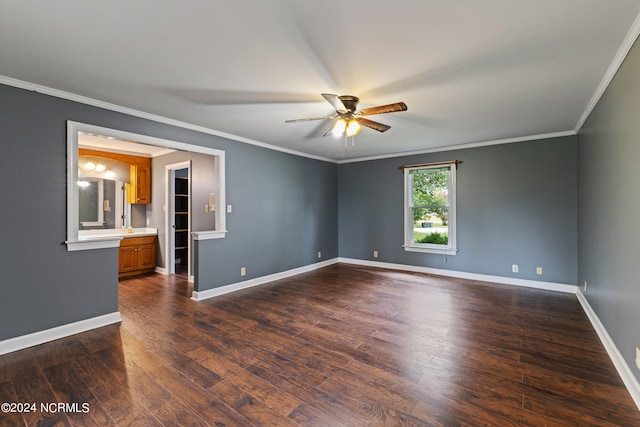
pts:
pixel 340 346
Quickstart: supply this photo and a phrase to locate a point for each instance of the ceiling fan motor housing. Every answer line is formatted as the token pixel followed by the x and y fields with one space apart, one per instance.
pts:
pixel 350 102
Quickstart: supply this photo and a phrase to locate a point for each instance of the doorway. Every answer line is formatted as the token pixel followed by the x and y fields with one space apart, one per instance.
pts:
pixel 178 232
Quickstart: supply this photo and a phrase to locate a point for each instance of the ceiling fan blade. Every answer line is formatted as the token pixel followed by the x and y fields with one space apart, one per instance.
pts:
pixel 373 125
pixel 308 119
pixel 389 108
pixel 329 131
pixel 334 100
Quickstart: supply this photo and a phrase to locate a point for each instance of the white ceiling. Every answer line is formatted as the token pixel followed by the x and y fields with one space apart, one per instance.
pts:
pixel 469 71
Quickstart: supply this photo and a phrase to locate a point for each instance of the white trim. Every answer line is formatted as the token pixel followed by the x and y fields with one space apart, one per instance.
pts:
pixel 208 235
pixel 85 245
pixel 137 113
pixel 429 249
pixel 36 338
pixel 451 248
pixel 622 53
pixel 72 170
pixel 160 270
pixel 169 218
pixel 463 146
pixel 549 286
pixel 621 365
pixel 210 293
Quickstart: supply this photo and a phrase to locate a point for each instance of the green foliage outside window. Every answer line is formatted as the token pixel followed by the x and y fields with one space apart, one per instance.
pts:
pixel 434 238
pixel 430 194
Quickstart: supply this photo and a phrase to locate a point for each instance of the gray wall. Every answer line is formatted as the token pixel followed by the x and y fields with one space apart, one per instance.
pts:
pixel 609 208
pixel 284 211
pixel 203 181
pixel 274 227
pixel 516 205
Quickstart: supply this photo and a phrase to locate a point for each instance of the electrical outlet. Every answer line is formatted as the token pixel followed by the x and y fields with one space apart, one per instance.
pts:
pixel 514 268
pixel 148 221
pixel 243 271
pixel 229 208
pixel 638 357
pixel 585 286
pixel 375 254
pixel 319 254
pixel 539 271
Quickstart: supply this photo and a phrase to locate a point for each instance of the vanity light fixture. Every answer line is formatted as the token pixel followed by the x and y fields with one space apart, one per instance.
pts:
pixel 97 168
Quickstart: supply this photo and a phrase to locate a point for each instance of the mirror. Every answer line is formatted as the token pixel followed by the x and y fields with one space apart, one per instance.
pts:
pixel 102 201
pixel 102 204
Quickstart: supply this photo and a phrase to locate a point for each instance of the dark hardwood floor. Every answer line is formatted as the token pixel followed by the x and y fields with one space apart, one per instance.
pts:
pixel 340 346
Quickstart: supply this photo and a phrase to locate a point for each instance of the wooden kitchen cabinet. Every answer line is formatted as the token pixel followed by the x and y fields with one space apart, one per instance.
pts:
pixel 137 255
pixel 140 188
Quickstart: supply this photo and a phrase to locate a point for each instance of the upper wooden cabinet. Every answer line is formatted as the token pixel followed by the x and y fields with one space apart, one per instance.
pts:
pixel 140 188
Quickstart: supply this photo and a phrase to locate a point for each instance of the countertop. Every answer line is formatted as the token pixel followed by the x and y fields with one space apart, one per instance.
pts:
pixel 116 233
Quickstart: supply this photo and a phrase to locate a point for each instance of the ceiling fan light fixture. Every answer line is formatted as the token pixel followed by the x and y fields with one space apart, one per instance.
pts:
pixel 339 127
pixel 353 127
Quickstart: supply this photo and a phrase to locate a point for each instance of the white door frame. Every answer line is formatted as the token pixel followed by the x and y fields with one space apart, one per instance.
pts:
pixel 169 221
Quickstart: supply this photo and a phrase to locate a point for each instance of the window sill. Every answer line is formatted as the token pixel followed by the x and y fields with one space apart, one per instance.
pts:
pixel 86 245
pixel 443 251
pixel 209 235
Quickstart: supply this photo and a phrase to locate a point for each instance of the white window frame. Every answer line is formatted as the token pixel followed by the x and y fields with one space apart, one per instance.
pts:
pixel 409 245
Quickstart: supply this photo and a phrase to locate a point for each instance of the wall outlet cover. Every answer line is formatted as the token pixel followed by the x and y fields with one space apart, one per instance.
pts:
pixel 375 254
pixel 539 271
pixel 514 268
pixel 638 357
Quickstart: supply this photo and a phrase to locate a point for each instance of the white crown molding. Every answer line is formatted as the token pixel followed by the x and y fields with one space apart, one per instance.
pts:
pixel 623 369
pixel 137 113
pixel 36 338
pixel 214 292
pixel 622 53
pixel 463 146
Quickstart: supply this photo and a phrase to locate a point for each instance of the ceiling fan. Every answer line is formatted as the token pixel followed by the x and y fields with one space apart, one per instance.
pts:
pixel 350 120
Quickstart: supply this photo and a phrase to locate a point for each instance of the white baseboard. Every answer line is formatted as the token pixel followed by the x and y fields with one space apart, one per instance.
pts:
pixel 36 338
pixel 160 270
pixel 210 293
pixel 550 286
pixel 621 365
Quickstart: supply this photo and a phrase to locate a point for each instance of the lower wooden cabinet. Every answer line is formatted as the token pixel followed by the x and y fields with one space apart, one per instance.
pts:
pixel 137 255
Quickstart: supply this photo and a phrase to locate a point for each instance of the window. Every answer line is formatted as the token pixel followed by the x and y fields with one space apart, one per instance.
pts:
pixel 430 208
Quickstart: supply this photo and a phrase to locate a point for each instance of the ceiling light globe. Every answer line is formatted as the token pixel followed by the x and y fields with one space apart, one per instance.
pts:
pixel 353 127
pixel 339 127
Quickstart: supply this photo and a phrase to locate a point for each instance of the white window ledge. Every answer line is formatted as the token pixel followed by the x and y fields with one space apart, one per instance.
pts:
pixel 85 245
pixel 444 251
pixel 209 235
